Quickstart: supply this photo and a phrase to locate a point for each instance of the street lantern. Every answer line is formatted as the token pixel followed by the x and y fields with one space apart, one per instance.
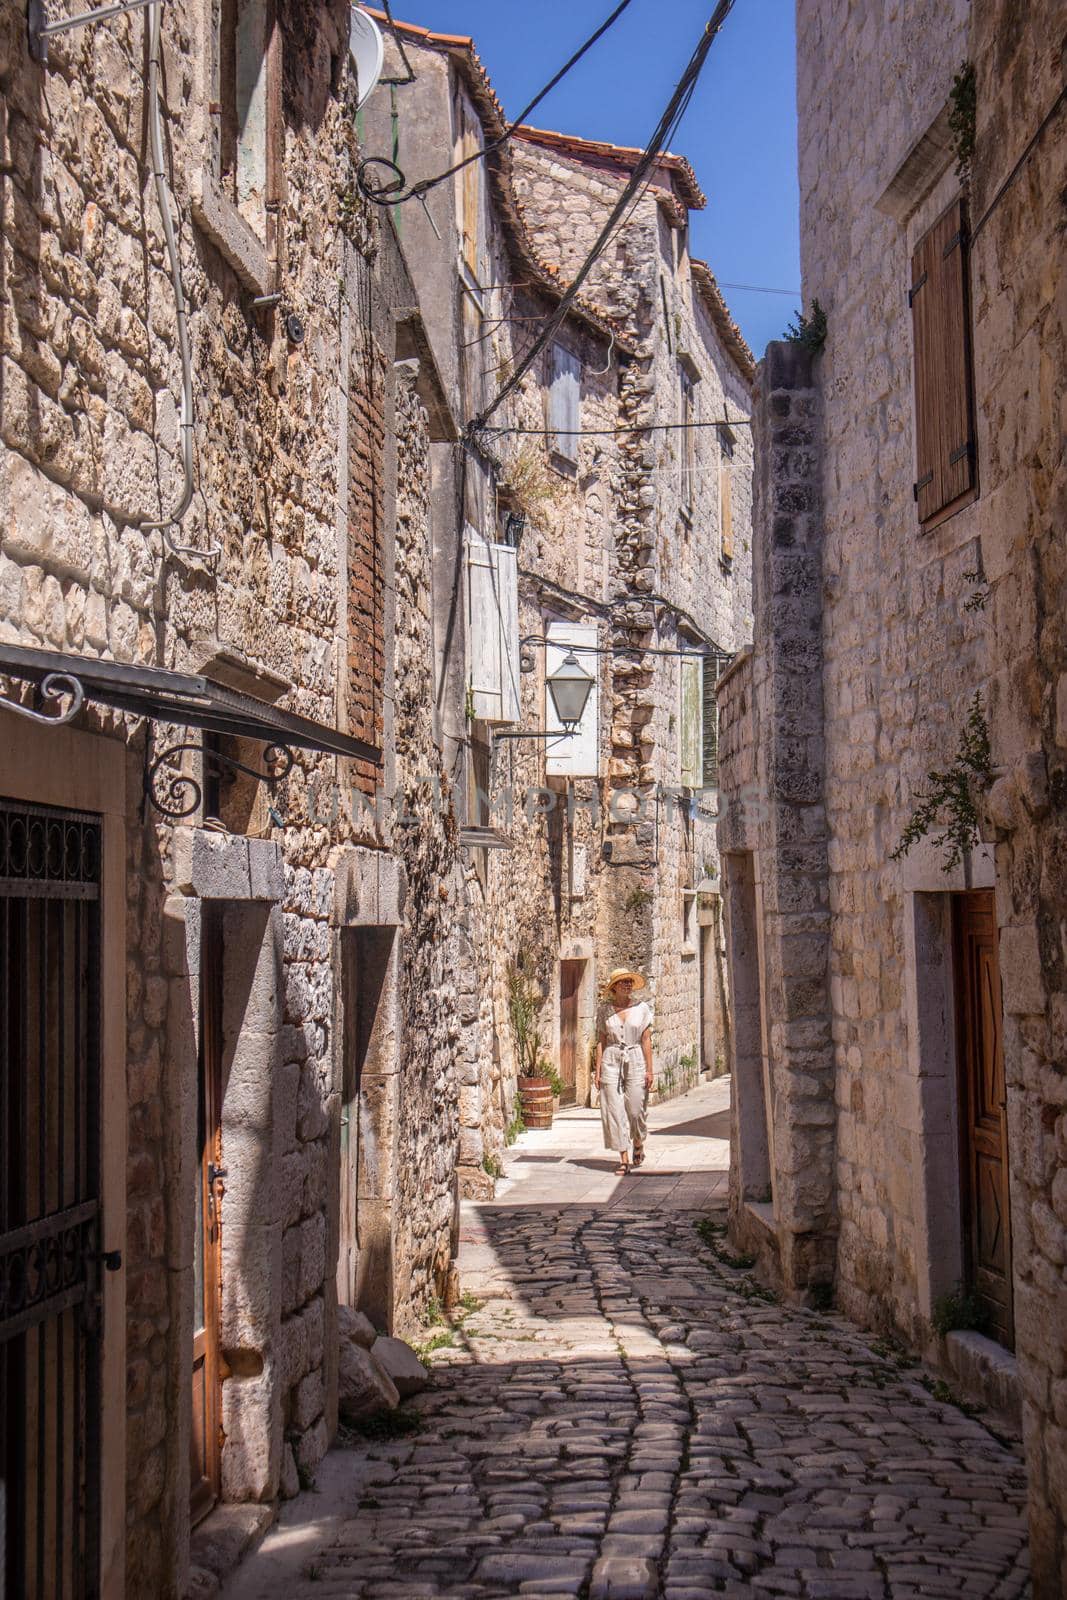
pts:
pixel 570 687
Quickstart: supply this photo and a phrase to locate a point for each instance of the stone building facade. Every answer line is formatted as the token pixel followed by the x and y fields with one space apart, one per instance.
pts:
pixel 247 1052
pixel 580 852
pixel 899 1025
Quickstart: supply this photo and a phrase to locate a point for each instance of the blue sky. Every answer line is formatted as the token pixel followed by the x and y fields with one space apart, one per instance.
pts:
pixel 739 132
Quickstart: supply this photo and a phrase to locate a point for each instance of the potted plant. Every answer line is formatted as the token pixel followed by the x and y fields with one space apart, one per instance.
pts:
pixel 535 1080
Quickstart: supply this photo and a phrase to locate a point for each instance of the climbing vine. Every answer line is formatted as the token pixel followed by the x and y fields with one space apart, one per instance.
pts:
pixel 949 800
pixel 963 118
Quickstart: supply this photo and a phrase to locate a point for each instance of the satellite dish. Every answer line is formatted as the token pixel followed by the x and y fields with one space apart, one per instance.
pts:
pixel 367 51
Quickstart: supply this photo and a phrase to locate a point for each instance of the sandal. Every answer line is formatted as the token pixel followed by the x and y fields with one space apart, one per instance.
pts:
pixel 622 1169
pixel 639 1154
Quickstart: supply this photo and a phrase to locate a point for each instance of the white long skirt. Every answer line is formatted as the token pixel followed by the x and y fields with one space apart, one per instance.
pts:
pixel 623 1097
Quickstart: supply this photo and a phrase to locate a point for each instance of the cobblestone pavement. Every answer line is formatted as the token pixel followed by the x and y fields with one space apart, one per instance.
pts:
pixel 629 1416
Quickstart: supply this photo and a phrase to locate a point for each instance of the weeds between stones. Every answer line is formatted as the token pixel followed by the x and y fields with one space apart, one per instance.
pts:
pixel 712 1233
pixel 444 1340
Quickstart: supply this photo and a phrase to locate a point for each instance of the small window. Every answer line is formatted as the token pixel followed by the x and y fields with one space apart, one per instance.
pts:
pixel 473 357
pixel 245 112
pixel 563 403
pixel 689 921
pixel 479 808
pixel 946 463
pixel 687 417
pixel 726 495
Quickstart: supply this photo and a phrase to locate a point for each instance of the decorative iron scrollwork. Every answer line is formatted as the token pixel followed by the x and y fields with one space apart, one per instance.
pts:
pixel 176 794
pixel 53 687
pixel 44 1265
pixel 45 851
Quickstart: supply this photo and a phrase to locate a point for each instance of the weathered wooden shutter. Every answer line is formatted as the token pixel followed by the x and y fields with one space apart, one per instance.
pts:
pixel 578 755
pixel 470 180
pixel 710 719
pixel 726 495
pixel 944 429
pixel 691 720
pixel 563 402
pixel 493 628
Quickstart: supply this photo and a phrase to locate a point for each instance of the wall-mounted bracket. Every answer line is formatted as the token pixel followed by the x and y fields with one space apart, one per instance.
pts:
pixel 41 30
pixel 52 687
pixel 176 794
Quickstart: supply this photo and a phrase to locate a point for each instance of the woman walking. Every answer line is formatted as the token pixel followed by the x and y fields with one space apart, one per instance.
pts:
pixel 624 1067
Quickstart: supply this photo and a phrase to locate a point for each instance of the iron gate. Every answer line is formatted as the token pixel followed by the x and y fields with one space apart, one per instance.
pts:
pixel 50 1200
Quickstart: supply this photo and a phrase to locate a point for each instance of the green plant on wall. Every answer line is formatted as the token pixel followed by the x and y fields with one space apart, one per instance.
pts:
pixel 949 800
pixel 810 330
pixel 963 118
pixel 976 601
pixel 638 899
pixel 960 1309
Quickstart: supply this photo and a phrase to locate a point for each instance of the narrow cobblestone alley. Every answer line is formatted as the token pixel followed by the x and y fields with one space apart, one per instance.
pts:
pixel 618 1412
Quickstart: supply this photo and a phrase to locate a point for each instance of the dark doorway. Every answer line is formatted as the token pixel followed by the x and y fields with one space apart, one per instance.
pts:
pixel 50 1215
pixel 983 1116
pixel 570 982
pixel 205 1439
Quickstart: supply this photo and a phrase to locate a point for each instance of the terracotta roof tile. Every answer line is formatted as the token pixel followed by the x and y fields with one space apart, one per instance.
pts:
pixel 677 167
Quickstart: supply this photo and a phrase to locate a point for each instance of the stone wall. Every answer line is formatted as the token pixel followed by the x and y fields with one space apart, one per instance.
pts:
pixel 1020 337
pixel 772 832
pixel 89 424
pixel 914 623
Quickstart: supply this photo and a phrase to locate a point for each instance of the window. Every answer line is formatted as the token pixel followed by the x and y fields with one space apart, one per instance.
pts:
pixel 687 417
pixel 576 756
pixel 726 495
pixel 492 629
pixel 365 675
pixel 946 464
pixel 563 403
pixel 234 191
pixel 244 108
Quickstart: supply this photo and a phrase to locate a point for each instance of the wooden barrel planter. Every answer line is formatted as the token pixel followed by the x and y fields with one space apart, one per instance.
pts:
pixel 535 1097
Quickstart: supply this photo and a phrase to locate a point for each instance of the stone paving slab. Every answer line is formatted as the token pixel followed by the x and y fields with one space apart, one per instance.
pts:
pixel 624 1417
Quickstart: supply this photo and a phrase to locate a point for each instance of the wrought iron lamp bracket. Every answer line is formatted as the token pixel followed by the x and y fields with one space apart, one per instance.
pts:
pixel 53 687
pixel 176 794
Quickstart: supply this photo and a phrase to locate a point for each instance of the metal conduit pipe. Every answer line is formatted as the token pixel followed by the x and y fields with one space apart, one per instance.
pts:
pixel 163 199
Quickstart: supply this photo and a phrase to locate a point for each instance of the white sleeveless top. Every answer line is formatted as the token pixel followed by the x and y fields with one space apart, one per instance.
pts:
pixel 623 1029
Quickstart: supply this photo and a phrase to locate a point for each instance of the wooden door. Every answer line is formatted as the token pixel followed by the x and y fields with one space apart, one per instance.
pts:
pixel 570 979
pixel 983 1117
pixel 205 1437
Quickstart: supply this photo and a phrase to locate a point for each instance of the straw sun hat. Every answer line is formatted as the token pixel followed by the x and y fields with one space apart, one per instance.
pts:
pixel 616 976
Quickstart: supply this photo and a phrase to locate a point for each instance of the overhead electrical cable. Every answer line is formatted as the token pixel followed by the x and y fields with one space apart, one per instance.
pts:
pixel 636 427
pixel 396 192
pixel 682 93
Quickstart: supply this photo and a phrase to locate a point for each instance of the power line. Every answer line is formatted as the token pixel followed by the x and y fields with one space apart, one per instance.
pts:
pixel 638 427
pixel 396 193
pixel 758 288
pixel 679 99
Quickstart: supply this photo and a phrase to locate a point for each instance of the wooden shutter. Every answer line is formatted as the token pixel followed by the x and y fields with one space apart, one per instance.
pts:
pixel 493 629
pixel 691 720
pixel 710 718
pixel 688 441
pixel 726 500
pixel 563 402
pixel 470 180
pixel 944 428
